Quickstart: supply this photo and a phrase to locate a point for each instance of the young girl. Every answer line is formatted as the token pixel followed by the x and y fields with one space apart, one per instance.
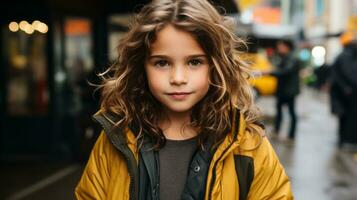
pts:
pixel 178 116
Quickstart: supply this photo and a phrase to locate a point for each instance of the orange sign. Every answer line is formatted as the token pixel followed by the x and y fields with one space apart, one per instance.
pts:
pixel 267 15
pixel 77 27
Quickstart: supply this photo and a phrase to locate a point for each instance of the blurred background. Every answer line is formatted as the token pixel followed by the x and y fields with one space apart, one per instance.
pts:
pixel 50 50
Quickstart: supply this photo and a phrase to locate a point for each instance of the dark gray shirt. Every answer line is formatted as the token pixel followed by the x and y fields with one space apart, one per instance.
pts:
pixel 175 158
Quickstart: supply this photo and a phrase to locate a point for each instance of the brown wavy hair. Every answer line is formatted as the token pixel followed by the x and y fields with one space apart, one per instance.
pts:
pixel 125 89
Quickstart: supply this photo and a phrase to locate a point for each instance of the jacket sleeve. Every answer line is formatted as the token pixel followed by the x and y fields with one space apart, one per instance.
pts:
pixel 95 177
pixel 270 180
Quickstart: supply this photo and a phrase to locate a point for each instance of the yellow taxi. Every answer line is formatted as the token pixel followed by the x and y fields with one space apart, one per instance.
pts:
pixel 263 85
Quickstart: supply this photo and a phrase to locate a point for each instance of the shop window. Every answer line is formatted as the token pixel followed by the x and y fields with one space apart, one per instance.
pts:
pixel 24 48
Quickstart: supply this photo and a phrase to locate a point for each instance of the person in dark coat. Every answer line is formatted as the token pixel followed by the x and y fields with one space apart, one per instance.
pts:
pixel 288 88
pixel 322 74
pixel 343 93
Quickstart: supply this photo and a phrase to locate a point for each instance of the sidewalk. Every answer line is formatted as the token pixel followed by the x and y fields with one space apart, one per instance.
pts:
pixel 317 169
pixel 38 180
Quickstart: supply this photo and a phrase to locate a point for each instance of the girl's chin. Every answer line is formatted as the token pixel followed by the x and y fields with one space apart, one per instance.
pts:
pixel 178 109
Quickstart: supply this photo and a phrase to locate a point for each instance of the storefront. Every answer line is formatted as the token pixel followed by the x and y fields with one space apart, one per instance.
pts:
pixel 48 53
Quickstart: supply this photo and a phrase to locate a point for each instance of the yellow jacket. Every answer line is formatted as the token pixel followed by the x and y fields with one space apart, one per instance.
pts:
pixel 108 176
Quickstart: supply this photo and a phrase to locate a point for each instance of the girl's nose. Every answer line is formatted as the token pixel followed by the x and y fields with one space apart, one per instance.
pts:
pixel 178 75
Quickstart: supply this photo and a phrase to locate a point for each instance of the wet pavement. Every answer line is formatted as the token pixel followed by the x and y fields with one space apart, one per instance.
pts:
pixel 318 171
pixel 38 180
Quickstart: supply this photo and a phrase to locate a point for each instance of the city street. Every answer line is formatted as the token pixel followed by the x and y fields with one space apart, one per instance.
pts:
pixel 317 170
pixel 62 62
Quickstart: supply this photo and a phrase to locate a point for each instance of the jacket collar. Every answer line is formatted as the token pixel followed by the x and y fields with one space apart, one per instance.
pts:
pixel 124 136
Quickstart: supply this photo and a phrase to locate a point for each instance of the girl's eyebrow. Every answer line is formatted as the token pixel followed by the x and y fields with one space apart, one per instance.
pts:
pixel 197 56
pixel 158 56
pixel 168 57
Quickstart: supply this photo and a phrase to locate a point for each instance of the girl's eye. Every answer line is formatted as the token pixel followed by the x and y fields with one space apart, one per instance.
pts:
pixel 195 62
pixel 161 63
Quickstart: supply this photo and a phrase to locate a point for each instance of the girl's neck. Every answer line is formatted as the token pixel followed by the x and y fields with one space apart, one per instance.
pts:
pixel 176 126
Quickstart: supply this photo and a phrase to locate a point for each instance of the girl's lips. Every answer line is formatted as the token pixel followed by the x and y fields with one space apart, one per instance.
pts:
pixel 179 95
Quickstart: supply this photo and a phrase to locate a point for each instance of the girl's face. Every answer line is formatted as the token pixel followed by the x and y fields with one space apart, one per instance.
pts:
pixel 177 70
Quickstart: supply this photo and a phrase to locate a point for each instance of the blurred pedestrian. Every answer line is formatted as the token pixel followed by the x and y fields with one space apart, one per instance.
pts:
pixel 343 90
pixel 288 86
pixel 178 104
pixel 322 74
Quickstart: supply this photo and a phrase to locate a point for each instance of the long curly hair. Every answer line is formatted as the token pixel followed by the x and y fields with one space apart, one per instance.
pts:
pixel 125 89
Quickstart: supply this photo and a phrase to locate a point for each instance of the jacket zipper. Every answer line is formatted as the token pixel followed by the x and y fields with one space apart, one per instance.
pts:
pixel 214 172
pixel 213 180
pixel 131 164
